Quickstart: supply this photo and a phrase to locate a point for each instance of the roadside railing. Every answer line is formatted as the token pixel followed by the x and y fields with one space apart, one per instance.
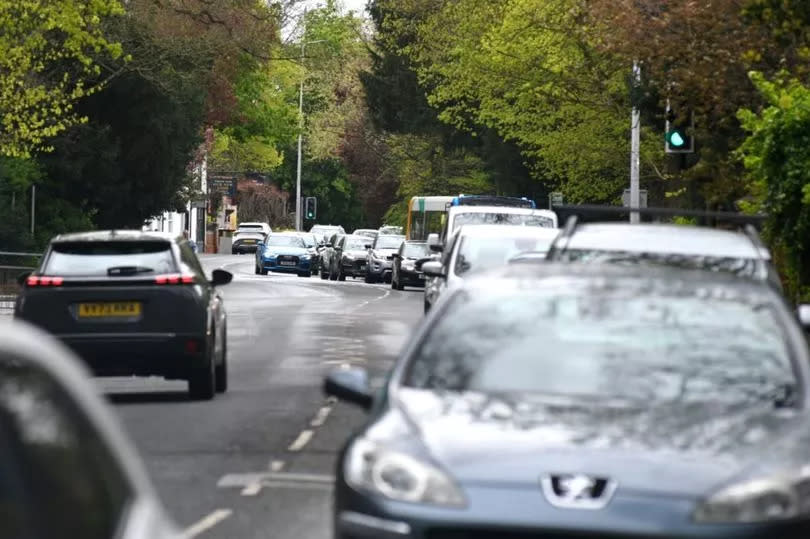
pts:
pixel 12 264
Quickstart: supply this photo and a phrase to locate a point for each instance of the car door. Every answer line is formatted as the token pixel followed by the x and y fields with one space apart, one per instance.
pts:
pixel 58 477
pixel 337 255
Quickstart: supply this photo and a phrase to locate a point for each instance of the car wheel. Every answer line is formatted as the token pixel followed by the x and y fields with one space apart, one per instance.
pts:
pixel 341 276
pixel 400 286
pixel 221 372
pixel 202 382
pixel 304 274
pixel 369 279
pixel 264 271
pixel 324 276
pixel 332 275
pixel 257 269
pixel 233 251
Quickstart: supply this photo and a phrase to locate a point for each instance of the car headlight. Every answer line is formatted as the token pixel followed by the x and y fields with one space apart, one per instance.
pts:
pixel 349 256
pixel 408 266
pixel 759 500
pixel 269 254
pixel 399 476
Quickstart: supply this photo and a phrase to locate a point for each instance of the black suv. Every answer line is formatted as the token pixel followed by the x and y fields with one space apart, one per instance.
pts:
pixel 132 303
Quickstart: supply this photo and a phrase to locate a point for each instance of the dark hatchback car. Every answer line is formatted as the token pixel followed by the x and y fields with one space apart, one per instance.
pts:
pixel 404 271
pixel 349 257
pixel 583 401
pixel 132 303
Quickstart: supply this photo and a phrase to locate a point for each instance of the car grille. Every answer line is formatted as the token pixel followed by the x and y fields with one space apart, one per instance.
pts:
pixel 389 257
pixel 288 258
pixel 359 264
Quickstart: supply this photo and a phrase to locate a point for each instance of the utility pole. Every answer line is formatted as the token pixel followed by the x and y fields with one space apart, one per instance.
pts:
pixel 33 205
pixel 298 220
pixel 635 144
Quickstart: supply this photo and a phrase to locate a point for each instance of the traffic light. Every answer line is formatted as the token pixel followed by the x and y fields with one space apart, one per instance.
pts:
pixel 679 131
pixel 311 207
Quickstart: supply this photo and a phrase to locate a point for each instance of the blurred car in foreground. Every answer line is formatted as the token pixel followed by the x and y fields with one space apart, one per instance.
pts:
pixel 584 401
pixel 285 252
pixel 326 254
pixel 368 232
pixel 683 246
pixel 380 259
pixel 312 244
pixel 66 467
pixel 132 303
pixel 324 232
pixel 390 230
pixel 404 272
pixel 475 248
pixel 349 259
pixel 458 216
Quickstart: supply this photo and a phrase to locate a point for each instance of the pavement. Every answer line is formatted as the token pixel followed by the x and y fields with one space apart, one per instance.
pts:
pixel 258 461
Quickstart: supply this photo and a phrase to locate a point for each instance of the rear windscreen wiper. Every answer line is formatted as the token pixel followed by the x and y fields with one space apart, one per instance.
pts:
pixel 128 270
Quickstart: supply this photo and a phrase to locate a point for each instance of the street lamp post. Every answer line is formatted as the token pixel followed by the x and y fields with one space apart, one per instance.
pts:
pixel 299 220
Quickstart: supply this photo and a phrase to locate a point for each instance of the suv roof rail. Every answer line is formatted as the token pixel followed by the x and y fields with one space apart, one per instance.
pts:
pixel 595 209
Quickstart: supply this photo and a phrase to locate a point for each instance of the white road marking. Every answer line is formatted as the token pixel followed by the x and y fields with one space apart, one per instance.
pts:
pixel 320 417
pixel 252 490
pixel 302 440
pixel 207 523
pixel 276 465
pixel 241 480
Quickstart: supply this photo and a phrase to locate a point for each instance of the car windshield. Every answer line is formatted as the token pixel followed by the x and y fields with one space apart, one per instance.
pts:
pixel 250 228
pixel 367 233
pixel 388 242
pixel 501 218
pixel 477 253
pixel 109 257
pixel 744 267
pixel 285 241
pixel 395 230
pixel 356 244
pixel 415 250
pixel 631 346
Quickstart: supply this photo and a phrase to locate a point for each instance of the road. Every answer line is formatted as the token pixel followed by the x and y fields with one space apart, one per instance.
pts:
pixel 258 461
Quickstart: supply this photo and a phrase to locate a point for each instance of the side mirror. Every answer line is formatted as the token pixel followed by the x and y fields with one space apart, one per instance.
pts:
pixel 221 277
pixel 804 315
pixel 350 385
pixel 367 246
pixel 433 268
pixel 22 277
pixel 434 244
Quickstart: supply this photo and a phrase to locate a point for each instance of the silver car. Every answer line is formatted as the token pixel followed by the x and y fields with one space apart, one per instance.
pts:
pixel 480 247
pixel 66 467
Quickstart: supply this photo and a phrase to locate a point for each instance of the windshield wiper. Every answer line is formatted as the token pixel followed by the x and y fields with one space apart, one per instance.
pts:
pixel 128 270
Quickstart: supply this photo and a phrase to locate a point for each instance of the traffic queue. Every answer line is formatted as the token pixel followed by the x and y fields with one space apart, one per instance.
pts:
pixel 576 377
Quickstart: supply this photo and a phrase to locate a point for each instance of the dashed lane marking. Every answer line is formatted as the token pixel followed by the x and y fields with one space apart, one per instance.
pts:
pixel 303 439
pixel 206 523
pixel 276 480
pixel 320 417
pixel 276 465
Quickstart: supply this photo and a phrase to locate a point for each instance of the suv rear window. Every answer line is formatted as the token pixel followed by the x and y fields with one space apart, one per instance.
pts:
pixel 104 258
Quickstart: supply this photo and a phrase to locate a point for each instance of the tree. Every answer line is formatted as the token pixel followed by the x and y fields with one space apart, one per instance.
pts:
pixel 48 52
pixel 776 155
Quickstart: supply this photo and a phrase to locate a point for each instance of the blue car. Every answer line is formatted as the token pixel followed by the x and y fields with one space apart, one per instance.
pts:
pixel 284 253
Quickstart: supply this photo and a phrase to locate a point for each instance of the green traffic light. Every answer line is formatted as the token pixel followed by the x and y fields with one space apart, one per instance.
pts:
pixel 676 140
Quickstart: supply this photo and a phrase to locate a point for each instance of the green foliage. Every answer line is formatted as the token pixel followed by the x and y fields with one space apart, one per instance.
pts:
pixel 777 157
pixel 48 52
pixel 427 168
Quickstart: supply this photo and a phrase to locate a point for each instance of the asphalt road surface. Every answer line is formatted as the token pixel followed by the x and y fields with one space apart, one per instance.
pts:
pixel 258 461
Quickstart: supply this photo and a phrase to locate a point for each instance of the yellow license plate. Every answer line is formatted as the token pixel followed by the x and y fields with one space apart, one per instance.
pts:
pixel 122 309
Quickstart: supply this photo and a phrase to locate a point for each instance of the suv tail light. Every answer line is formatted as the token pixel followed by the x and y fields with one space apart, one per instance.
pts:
pixel 44 280
pixel 175 278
